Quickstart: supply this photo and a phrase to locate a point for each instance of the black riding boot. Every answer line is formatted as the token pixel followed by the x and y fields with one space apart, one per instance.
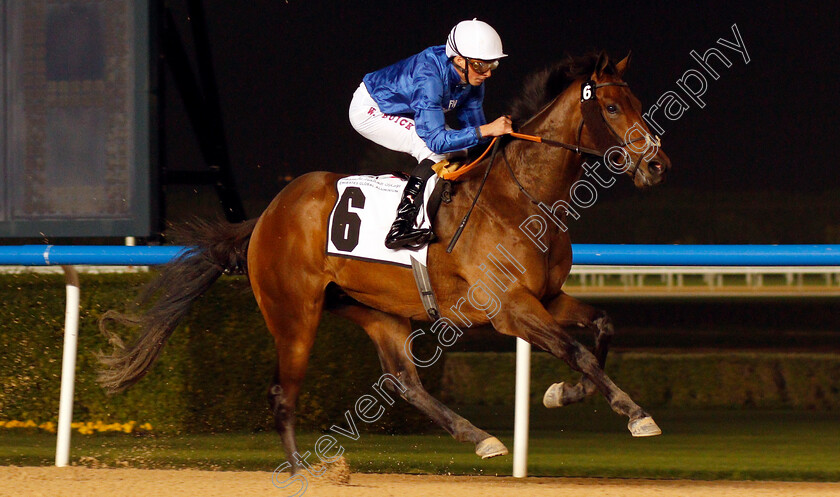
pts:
pixel 402 232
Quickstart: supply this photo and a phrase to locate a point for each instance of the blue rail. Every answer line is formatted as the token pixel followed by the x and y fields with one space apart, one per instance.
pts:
pixel 591 254
pixel 706 255
pixel 99 255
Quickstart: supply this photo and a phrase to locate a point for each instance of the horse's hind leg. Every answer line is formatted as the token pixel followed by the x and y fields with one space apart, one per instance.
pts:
pixel 390 334
pixel 570 311
pixel 293 328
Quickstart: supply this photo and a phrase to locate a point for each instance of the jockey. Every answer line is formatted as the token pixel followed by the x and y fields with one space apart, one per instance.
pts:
pixel 402 107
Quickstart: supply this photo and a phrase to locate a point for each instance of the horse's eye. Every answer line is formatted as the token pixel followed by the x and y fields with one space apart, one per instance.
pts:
pixel 612 109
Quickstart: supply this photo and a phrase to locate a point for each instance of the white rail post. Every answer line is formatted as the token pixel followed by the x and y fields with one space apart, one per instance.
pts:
pixel 521 412
pixel 68 366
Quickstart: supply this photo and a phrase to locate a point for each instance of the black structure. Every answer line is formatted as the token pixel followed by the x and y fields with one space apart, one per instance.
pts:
pixel 201 100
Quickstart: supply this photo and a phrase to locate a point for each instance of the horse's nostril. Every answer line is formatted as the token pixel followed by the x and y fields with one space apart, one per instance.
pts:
pixel 656 167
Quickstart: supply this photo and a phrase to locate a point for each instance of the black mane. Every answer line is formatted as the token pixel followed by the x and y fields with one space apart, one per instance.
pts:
pixel 543 86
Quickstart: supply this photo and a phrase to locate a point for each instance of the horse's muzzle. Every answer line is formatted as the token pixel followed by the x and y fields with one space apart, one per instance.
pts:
pixel 652 172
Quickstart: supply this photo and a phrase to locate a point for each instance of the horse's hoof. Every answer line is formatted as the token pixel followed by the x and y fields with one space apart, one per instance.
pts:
pixel 644 427
pixel 554 396
pixel 490 447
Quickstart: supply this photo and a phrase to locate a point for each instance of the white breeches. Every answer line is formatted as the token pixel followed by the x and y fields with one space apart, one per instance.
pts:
pixel 393 132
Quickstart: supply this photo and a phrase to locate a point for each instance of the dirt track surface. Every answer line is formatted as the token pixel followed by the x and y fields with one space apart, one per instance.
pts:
pixel 78 481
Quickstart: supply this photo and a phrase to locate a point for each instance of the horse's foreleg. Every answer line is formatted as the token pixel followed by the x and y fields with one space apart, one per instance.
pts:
pixel 570 311
pixel 390 334
pixel 525 317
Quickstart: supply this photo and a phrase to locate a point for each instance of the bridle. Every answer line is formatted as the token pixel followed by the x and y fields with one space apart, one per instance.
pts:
pixel 598 126
pixel 591 116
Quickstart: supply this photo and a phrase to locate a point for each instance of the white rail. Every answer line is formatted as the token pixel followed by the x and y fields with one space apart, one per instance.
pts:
pixel 68 366
pixel 754 277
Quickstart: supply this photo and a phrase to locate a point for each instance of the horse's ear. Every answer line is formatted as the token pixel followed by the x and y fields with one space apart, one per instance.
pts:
pixel 601 64
pixel 622 65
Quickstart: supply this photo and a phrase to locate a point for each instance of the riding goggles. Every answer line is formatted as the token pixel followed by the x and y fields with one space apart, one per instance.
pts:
pixel 482 66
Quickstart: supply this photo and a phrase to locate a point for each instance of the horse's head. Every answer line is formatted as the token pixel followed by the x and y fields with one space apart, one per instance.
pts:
pixel 612 123
pixel 583 104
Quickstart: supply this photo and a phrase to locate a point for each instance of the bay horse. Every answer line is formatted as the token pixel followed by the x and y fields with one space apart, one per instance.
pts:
pixel 294 280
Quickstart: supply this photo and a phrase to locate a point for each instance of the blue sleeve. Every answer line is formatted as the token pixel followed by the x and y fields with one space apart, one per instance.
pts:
pixel 429 119
pixel 471 113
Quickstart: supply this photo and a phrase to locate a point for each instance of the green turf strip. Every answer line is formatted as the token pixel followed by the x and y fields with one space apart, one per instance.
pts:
pixel 584 442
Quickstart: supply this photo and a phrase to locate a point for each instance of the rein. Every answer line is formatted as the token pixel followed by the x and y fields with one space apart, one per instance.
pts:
pixel 574 148
pixel 495 143
pixel 599 127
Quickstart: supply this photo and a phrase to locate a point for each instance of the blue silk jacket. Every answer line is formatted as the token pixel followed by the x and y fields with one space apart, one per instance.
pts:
pixel 424 87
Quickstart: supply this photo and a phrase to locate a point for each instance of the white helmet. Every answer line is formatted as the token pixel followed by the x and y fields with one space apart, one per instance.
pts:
pixel 474 40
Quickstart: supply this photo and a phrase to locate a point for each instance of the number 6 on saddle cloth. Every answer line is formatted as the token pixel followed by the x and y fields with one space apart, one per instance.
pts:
pixel 363 214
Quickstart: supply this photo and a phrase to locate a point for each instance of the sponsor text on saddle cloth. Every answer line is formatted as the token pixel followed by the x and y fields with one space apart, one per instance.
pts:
pixel 363 214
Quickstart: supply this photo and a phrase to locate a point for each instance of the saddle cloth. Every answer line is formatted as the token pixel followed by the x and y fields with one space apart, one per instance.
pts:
pixel 363 214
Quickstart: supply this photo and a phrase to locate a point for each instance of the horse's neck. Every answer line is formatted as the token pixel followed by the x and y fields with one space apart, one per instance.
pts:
pixel 548 171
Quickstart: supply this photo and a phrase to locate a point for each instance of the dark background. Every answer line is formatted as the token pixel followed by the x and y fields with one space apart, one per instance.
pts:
pixel 755 165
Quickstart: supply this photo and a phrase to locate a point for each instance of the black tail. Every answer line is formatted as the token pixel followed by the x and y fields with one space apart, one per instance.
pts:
pixel 217 248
